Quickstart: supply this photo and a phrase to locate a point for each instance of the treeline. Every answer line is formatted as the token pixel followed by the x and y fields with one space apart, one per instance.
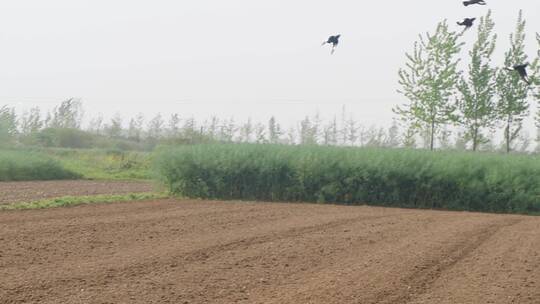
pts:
pixel 486 96
pixel 62 128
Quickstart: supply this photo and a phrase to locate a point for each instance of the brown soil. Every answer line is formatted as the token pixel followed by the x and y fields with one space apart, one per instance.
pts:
pixel 172 251
pixel 11 192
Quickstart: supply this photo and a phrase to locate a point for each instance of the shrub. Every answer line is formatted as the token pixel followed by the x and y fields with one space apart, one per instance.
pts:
pixel 25 166
pixel 386 177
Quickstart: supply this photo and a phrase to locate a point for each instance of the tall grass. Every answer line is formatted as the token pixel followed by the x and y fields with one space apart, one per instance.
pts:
pixel 25 165
pixel 385 177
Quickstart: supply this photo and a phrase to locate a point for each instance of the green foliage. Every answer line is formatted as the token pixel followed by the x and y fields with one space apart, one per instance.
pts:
pixel 429 80
pixel 513 105
pixel 476 105
pixel 23 166
pixel 105 164
pixel 80 200
pixel 385 177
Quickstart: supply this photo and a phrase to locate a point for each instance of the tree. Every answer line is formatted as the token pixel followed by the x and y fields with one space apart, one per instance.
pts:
pixel 274 131
pixel 307 132
pixel 375 137
pixel 489 144
pixel 95 126
pixel 136 127
pixel 460 142
pixel 330 133
pixel 30 122
pixel 155 127
pixel 429 80
pixel 409 137
pixel 537 96
pixel 260 133
pixel 523 142
pixel 246 131
pixel 513 105
pixel 351 130
pixel 68 115
pixel 444 138
pixel 8 125
pixel 343 132
pixel 476 103
pixel 212 128
pixel 291 136
pixel 393 139
pixel 174 125
pixel 114 129
pixel 227 130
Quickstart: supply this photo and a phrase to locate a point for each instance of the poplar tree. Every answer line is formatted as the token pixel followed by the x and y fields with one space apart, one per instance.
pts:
pixel 393 139
pixel 274 131
pixel 95 126
pixel 409 136
pixel 429 80
pixel 136 128
pixel 155 127
pixel 227 130
pixel 537 95
pixel 512 91
pixel 307 132
pixel 477 89
pixel 31 122
pixel 246 131
pixel 330 134
pixel 8 125
pixel 260 133
pixel 68 115
pixel 174 125
pixel 114 129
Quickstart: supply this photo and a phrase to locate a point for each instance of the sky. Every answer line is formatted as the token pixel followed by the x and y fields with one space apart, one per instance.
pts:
pixel 235 58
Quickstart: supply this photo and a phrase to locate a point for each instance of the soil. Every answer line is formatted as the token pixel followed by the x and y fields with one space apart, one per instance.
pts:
pixel 11 192
pixel 173 251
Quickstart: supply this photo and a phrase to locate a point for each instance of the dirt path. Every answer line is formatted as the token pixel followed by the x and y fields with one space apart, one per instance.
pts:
pixel 11 192
pixel 210 252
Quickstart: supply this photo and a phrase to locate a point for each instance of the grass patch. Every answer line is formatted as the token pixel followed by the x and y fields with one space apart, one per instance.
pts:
pixel 383 177
pixel 104 164
pixel 81 200
pixel 16 165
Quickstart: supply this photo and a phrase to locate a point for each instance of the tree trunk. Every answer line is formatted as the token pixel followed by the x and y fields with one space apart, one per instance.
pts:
pixel 432 135
pixel 508 134
pixel 475 140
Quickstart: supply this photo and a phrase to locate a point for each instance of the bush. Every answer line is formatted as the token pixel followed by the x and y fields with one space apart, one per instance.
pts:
pixel 385 177
pixel 25 166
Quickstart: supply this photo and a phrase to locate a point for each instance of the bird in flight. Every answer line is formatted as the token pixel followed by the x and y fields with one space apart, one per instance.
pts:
pixel 467 22
pixel 334 40
pixel 471 2
pixel 522 71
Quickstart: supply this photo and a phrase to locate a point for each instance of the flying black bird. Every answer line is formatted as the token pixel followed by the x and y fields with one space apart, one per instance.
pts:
pixel 471 2
pixel 334 40
pixel 467 22
pixel 522 71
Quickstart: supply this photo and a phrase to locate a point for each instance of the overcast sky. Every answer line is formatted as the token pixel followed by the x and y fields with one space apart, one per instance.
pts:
pixel 227 58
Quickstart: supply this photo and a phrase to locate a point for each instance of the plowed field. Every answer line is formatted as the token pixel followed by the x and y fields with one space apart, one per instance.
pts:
pixel 172 251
